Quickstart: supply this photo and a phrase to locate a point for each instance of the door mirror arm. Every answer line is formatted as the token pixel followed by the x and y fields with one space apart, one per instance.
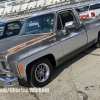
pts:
pixel 65 32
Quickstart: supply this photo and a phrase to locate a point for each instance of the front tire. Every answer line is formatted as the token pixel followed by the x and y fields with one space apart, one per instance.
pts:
pixel 97 45
pixel 41 73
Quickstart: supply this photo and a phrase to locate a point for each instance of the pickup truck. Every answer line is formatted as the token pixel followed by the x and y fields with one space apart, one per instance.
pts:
pixel 46 40
pixel 10 28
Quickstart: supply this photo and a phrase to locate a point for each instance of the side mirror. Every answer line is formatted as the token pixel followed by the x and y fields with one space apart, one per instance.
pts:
pixel 69 24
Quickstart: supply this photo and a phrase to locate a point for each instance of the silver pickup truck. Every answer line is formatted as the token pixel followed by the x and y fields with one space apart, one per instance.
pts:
pixel 46 40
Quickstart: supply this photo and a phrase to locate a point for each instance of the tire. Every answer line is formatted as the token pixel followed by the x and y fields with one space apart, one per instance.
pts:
pixel 41 73
pixel 97 45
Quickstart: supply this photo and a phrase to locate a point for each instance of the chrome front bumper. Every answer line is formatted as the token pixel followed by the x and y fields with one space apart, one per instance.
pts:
pixel 9 82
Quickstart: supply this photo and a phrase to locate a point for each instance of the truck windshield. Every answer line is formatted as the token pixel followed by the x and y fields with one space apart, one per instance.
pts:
pixel 1 30
pixel 39 24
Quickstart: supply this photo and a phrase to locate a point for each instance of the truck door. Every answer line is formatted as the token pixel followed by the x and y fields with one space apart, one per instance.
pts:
pixel 73 38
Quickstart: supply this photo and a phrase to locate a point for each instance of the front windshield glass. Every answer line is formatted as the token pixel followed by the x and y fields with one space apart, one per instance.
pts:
pixel 39 24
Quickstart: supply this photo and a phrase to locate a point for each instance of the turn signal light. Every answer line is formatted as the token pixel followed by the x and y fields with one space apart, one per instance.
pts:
pixel 21 69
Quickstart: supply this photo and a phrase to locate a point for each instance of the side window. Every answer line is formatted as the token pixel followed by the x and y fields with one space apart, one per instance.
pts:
pixel 1 30
pixel 59 25
pixel 86 8
pixel 67 16
pixel 12 28
pixel 79 10
pixel 96 6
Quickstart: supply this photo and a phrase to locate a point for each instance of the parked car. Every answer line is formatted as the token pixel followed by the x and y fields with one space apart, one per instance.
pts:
pixel 8 29
pixel 46 40
pixel 11 26
pixel 80 9
pixel 91 11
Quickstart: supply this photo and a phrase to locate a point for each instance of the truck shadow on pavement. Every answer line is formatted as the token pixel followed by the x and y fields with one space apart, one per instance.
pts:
pixel 59 69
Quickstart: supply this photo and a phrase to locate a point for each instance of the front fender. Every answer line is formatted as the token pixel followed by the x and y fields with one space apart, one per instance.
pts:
pixel 55 50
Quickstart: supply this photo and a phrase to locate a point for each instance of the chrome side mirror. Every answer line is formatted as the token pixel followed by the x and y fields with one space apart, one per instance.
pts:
pixel 69 24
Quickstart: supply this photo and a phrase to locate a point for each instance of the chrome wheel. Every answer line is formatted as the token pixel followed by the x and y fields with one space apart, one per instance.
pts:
pixel 42 72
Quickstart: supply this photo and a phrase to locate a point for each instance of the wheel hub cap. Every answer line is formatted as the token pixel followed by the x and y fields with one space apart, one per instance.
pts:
pixel 42 72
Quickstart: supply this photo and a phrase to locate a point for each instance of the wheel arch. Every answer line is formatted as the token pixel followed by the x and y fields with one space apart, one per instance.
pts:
pixel 50 57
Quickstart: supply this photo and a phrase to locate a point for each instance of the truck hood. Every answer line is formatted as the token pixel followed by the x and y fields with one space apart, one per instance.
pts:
pixel 13 44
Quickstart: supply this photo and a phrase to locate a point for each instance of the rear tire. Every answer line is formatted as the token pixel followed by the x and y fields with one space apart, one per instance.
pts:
pixel 41 73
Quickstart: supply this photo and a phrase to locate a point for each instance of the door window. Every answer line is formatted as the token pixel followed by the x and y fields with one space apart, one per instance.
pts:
pixel 1 30
pixel 96 6
pixel 67 16
pixel 12 28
